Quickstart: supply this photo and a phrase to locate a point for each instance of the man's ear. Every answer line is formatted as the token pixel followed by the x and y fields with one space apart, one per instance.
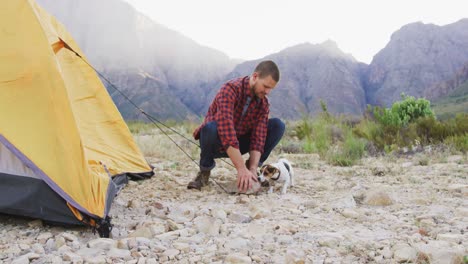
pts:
pixel 254 76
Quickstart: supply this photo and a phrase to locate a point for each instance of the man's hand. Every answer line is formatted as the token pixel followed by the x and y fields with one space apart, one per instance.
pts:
pixel 245 179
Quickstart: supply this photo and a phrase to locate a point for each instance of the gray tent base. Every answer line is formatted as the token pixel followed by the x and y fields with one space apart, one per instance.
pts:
pixel 31 197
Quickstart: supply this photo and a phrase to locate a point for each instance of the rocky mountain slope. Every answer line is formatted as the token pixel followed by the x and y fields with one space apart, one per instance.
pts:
pixel 173 77
pixel 417 57
pixel 310 73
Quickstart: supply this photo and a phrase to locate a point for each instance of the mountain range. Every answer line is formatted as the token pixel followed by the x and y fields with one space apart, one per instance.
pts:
pixel 172 77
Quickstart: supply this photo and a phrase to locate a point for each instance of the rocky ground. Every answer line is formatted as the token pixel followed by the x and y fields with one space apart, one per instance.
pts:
pixel 386 210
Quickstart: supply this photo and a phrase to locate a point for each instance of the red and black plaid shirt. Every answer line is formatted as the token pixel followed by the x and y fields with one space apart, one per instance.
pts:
pixel 226 109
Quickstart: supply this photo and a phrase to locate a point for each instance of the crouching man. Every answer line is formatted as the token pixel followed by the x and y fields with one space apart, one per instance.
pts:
pixel 238 122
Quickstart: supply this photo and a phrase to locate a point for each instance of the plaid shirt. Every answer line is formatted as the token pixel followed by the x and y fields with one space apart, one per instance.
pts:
pixel 226 109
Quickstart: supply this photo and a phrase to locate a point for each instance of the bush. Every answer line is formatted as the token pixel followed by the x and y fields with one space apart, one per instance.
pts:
pixel 348 152
pixel 139 127
pixel 459 142
pixel 403 112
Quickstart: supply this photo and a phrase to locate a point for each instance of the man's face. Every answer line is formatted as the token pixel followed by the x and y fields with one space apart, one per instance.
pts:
pixel 262 86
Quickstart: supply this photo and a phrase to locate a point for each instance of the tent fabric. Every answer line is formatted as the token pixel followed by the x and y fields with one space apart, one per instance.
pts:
pixel 56 117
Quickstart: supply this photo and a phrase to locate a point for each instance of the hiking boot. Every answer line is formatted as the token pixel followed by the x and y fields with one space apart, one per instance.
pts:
pixel 200 181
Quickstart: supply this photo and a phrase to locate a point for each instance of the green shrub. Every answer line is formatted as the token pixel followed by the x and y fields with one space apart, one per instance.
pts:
pixel 459 142
pixel 139 127
pixel 304 129
pixel 403 112
pixel 348 152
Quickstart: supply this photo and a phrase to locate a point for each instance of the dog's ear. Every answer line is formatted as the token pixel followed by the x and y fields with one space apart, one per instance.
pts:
pixel 270 169
pixel 273 170
pixel 262 169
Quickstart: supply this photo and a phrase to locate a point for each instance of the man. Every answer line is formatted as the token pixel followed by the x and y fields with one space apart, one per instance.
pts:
pixel 236 123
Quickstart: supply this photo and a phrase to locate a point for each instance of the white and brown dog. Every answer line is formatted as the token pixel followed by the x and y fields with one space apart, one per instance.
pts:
pixel 279 172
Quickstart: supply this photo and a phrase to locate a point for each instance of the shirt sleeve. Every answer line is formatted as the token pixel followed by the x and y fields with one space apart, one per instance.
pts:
pixel 225 116
pixel 259 132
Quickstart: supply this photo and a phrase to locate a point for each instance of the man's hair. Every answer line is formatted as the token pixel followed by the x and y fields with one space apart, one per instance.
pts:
pixel 268 68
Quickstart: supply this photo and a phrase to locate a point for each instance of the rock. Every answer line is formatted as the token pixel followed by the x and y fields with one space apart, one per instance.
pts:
pixel 72 257
pixel 134 204
pixel 59 242
pixel 69 237
pixel 95 260
pixel 102 243
pixel 219 213
pixel 405 254
pixel 331 240
pixel 239 218
pixel 171 253
pixel 345 202
pixel 256 230
pixel 237 244
pixel 119 253
pixel 42 238
pixel 89 253
pixel 151 261
pixel 207 225
pixel 349 213
pixel 454 238
pixel 35 223
pixel 292 257
pixel 243 199
pixel 142 232
pixel 171 225
pixel 386 253
pixel 21 260
pixel 231 187
pixel 183 247
pixel 181 214
pixel 440 252
pixel 237 258
pixel 258 212
pixel 38 248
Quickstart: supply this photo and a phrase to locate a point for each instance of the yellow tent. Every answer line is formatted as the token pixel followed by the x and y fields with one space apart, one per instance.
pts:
pixel 62 140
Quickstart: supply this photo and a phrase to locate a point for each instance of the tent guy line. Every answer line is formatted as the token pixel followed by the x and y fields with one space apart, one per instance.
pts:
pixel 151 118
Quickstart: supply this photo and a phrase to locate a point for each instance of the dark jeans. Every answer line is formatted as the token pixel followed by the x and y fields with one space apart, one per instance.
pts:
pixel 210 143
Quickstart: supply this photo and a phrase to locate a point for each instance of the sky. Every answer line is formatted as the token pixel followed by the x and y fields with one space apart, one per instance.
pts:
pixel 252 29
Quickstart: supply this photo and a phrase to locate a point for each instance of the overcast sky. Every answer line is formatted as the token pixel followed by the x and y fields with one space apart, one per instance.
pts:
pixel 252 29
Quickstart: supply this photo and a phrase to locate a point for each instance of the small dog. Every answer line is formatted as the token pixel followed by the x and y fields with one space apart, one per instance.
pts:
pixel 279 172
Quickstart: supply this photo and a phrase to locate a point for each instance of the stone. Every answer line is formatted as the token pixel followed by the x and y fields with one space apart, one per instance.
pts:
pixel 237 244
pixel 72 257
pixel 21 260
pixel 239 218
pixel 181 214
pixel 35 223
pixel 102 243
pixel 237 258
pixel 119 253
pixel 43 237
pixel 69 237
pixel 142 232
pixel 405 254
pixel 454 238
pixel 207 225
pixel 171 225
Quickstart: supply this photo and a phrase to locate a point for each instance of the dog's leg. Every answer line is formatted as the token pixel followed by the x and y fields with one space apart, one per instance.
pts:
pixel 271 189
pixel 285 187
pixel 291 175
